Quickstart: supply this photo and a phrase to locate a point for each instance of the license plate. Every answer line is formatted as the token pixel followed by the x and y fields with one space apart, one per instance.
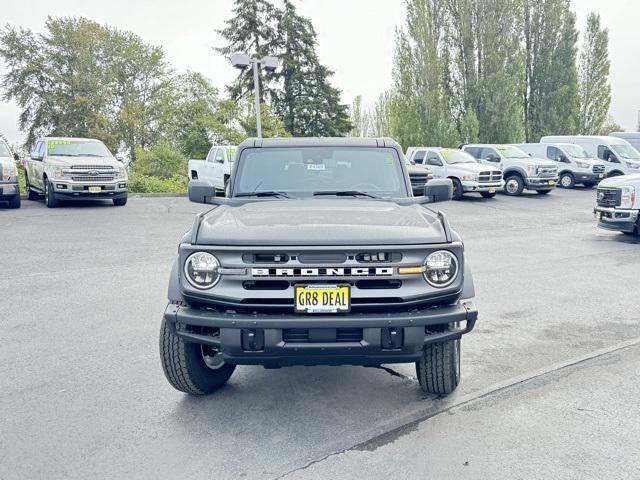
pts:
pixel 322 298
pixel 492 190
pixel 95 189
pixel 598 215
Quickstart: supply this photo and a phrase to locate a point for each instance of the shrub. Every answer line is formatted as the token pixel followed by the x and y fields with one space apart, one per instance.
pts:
pixel 161 162
pixel 139 183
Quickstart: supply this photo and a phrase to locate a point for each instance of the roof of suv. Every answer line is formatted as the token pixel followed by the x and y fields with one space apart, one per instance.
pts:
pixel 319 142
pixel 69 138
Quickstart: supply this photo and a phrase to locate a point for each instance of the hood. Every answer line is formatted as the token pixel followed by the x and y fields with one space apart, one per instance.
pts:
pixel 79 161
pixel 620 181
pixel 473 167
pixel 308 222
pixel 534 161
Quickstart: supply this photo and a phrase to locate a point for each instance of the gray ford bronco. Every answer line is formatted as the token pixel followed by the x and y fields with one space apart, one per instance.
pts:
pixel 320 255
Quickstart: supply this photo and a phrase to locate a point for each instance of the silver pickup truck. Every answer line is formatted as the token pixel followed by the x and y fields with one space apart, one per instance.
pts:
pixel 321 255
pixel 61 168
pixel 9 188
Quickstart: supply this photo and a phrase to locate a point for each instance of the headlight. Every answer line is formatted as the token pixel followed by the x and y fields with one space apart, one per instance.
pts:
pixel 633 165
pixel 10 171
pixel 470 178
pixel 583 165
pixel 121 173
pixel 532 170
pixel 202 270
pixel 628 197
pixel 441 268
pixel 57 173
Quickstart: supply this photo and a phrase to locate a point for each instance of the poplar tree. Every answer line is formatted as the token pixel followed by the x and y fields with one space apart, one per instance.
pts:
pixel 595 91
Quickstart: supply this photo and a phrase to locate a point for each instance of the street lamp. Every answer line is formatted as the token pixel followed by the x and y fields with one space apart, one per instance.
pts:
pixel 242 61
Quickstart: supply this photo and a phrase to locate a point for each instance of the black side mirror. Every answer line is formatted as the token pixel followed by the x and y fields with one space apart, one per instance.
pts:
pixel 16 157
pixel 200 191
pixel 439 190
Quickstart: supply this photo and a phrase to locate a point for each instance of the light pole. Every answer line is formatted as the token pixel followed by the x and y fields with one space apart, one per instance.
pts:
pixel 242 61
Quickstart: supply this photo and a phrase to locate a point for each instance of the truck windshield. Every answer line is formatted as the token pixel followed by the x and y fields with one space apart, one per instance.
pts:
pixel 575 151
pixel 510 151
pixel 305 171
pixel 77 148
pixel 4 150
pixel 453 157
pixel 626 151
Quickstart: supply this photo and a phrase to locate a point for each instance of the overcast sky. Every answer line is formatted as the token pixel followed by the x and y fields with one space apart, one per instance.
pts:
pixel 355 40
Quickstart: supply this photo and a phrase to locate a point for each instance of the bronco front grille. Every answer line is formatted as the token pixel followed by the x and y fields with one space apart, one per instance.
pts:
pixel 340 335
pixel 609 197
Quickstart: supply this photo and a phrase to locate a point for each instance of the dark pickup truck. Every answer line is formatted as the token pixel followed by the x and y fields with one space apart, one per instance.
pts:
pixel 321 255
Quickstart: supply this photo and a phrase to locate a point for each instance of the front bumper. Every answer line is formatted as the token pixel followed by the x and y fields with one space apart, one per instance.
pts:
pixel 535 183
pixel 65 190
pixel 589 177
pixel 473 186
pixel 228 332
pixel 617 219
pixel 9 189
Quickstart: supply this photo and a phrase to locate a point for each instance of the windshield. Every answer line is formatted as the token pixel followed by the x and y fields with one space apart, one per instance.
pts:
pixel 4 150
pixel 453 157
pixel 626 151
pixel 77 148
pixel 305 171
pixel 510 151
pixel 575 151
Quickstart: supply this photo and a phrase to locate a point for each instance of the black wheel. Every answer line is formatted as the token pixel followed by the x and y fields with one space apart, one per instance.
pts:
pixel 120 202
pixel 189 367
pixel 567 180
pixel 438 370
pixel 488 194
pixel 49 199
pixel 543 192
pixel 513 185
pixel 31 194
pixel 457 189
pixel 615 174
pixel 15 201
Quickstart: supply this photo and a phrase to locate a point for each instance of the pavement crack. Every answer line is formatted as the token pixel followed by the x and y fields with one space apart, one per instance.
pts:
pixel 395 373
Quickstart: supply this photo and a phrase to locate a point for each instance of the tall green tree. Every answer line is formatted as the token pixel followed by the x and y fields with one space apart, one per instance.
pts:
pixel 359 118
pixel 380 115
pixel 551 77
pixel 305 99
pixel 593 72
pixel 250 29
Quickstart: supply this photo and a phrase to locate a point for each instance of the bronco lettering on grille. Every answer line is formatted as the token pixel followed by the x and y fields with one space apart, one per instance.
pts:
pixel 321 272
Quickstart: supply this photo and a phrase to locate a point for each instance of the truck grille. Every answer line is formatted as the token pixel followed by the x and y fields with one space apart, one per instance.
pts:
pixel 93 178
pixel 339 335
pixel 91 167
pixel 547 172
pixel 609 197
pixel 598 169
pixel 418 179
pixel 490 176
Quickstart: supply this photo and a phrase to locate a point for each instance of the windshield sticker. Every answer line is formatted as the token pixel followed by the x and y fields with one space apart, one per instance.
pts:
pixel 315 166
pixel 444 153
pixel 51 144
pixel 502 149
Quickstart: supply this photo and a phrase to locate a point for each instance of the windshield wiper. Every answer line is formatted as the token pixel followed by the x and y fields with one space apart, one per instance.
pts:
pixel 346 193
pixel 264 194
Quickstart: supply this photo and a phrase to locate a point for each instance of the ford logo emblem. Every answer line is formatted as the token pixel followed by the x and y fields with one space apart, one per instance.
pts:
pixel 94 173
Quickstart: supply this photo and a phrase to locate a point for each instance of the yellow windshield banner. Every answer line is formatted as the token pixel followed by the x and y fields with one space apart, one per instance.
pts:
pixel 52 144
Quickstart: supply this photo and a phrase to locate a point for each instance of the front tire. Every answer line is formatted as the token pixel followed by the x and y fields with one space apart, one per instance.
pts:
pixel 120 202
pixel 185 367
pixel 49 200
pixel 31 194
pixel 543 192
pixel 513 185
pixel 15 201
pixel 457 189
pixel 438 369
pixel 488 194
pixel 567 180
pixel 589 184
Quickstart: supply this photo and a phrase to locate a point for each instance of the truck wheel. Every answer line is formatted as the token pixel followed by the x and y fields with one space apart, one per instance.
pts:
pixel 588 184
pixel 567 180
pixel 513 185
pixel 49 199
pixel 543 192
pixel 488 194
pixel 457 189
pixel 438 370
pixel 15 201
pixel 188 367
pixel 120 202
pixel 31 194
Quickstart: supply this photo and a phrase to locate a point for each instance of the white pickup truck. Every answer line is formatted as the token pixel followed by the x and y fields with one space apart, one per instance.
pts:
pixel 216 168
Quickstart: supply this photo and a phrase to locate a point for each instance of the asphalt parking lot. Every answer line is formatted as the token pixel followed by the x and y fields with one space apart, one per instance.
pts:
pixel 549 375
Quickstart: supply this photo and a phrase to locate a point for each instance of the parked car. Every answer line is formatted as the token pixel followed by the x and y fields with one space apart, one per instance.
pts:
pixel 575 165
pixel 216 168
pixel 320 256
pixel 619 157
pixel 62 168
pixel 520 171
pixel 632 137
pixel 9 188
pixel 467 175
pixel 419 176
pixel 618 204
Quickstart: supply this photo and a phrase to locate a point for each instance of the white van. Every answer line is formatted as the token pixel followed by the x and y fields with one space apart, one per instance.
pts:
pixel 575 165
pixel 619 157
pixel 632 137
